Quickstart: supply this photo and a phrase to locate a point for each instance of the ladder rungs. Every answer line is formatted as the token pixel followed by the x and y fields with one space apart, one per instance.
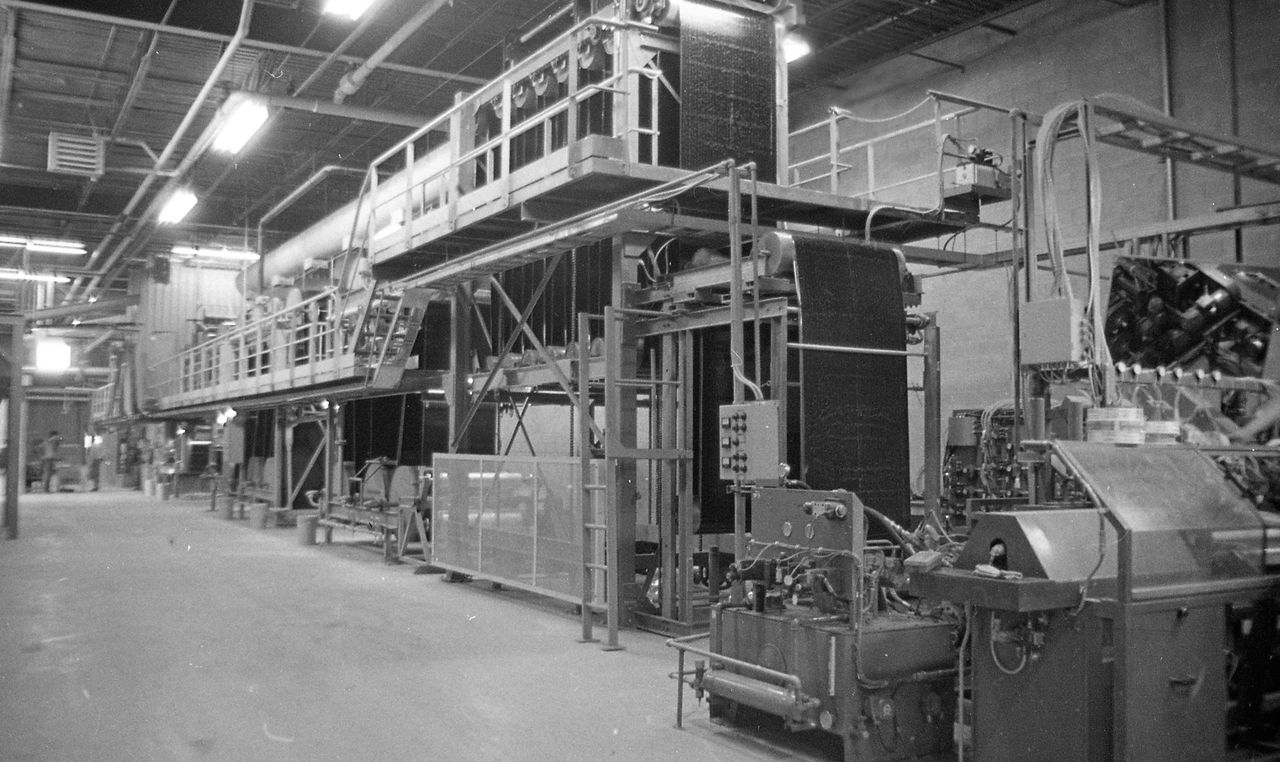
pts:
pixel 595 527
pixel 595 487
pixel 596 567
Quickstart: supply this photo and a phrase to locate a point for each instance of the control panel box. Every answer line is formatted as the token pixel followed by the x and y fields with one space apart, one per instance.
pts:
pixel 751 442
pixel 1049 332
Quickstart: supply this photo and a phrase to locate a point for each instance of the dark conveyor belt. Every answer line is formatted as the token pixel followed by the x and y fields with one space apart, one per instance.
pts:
pixel 854 406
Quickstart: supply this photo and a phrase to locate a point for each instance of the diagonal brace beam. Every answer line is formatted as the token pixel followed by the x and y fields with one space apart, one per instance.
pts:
pixel 541 349
pixel 523 317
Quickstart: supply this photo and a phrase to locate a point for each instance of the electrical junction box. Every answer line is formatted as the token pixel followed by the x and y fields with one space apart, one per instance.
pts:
pixel 750 441
pixel 1049 332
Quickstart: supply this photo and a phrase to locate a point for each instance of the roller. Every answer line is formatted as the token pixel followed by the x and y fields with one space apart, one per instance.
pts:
pixel 324 240
pixel 767 697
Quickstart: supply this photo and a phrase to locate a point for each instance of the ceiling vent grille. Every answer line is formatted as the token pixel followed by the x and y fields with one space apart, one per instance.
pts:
pixel 76 154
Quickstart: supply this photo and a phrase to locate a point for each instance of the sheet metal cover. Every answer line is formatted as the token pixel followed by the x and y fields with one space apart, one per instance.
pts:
pixel 854 405
pixel 727 66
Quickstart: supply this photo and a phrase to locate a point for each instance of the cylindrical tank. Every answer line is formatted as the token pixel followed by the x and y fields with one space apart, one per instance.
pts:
pixel 324 240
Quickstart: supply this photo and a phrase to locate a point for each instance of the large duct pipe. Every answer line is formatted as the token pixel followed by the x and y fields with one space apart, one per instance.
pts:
pixel 325 239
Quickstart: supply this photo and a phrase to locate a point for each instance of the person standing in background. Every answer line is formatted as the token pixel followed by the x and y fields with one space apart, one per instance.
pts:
pixel 49 459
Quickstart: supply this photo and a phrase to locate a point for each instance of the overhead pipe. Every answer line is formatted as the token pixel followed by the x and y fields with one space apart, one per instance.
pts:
pixel 242 31
pixel 327 238
pixel 357 113
pixel 292 198
pixel 353 80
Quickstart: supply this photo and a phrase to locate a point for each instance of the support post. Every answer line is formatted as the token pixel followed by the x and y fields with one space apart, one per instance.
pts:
pixel 932 417
pixel 14 473
pixel 457 390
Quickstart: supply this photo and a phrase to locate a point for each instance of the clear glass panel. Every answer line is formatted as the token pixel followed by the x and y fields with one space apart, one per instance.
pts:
pixel 512 520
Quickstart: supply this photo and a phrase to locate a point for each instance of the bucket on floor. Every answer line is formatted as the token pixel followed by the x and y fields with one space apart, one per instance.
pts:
pixel 307 523
pixel 1162 432
pixel 162 491
pixel 226 506
pixel 148 487
pixel 1118 425
pixel 258 516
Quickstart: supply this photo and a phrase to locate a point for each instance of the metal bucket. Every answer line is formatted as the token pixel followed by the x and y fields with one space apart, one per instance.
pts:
pixel 258 516
pixel 226 506
pixel 307 524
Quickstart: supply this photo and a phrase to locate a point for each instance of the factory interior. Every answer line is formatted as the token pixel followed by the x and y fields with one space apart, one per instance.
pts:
pixel 584 379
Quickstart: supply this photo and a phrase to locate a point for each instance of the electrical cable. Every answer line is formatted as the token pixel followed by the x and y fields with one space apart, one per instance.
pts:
pixel 846 114
pixel 995 656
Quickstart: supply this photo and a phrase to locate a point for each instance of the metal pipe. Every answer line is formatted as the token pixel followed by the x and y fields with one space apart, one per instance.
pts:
pixel 326 238
pixel 360 113
pixel 337 52
pixel 242 31
pixel 847 350
pixel 299 192
pixel 353 80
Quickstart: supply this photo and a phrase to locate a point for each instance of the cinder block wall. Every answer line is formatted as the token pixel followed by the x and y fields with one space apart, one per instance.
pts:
pixel 1224 75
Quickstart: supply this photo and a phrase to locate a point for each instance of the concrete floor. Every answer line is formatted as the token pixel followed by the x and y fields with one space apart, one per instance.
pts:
pixel 135 629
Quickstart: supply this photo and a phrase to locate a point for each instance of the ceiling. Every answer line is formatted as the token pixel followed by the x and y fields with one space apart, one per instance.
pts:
pixel 132 78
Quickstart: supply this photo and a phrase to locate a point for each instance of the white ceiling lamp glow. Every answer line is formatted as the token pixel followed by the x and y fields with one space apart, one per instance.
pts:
pixel 14 241
pixel 11 274
pixel 52 355
pixel 177 207
pixel 795 47
pixel 240 123
pixel 352 9
pixel 69 248
pixel 208 252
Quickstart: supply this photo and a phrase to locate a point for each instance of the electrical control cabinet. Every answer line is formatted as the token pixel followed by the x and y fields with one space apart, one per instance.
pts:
pixel 750 441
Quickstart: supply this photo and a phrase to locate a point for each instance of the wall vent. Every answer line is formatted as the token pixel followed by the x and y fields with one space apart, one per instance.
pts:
pixel 76 154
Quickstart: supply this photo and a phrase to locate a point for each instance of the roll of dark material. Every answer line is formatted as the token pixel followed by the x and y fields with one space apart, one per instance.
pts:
pixel 854 405
pixel 728 78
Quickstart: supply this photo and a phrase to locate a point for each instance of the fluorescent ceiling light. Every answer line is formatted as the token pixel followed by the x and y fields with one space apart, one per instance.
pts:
pixel 11 274
pixel 215 253
pixel 795 47
pixel 52 355
pixel 239 124
pixel 73 248
pixel 349 8
pixel 179 205
pixel 13 240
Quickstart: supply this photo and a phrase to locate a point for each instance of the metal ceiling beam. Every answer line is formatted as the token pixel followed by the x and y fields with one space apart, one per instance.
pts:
pixel 114 304
pixel 27 5
pixel 971 22
pixel 242 32
pixel 8 46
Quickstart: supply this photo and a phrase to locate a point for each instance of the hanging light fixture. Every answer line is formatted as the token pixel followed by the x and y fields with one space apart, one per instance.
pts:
pixel 177 207
pixel 241 121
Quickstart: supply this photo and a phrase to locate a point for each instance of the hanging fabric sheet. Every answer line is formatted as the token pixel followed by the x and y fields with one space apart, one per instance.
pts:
pixel 730 87
pixel 854 405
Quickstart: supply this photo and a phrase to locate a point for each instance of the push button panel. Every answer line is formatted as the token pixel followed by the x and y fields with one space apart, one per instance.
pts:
pixel 750 450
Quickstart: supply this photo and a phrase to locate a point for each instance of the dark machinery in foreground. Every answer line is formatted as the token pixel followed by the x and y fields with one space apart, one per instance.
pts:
pixel 1133 602
pixel 822 639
